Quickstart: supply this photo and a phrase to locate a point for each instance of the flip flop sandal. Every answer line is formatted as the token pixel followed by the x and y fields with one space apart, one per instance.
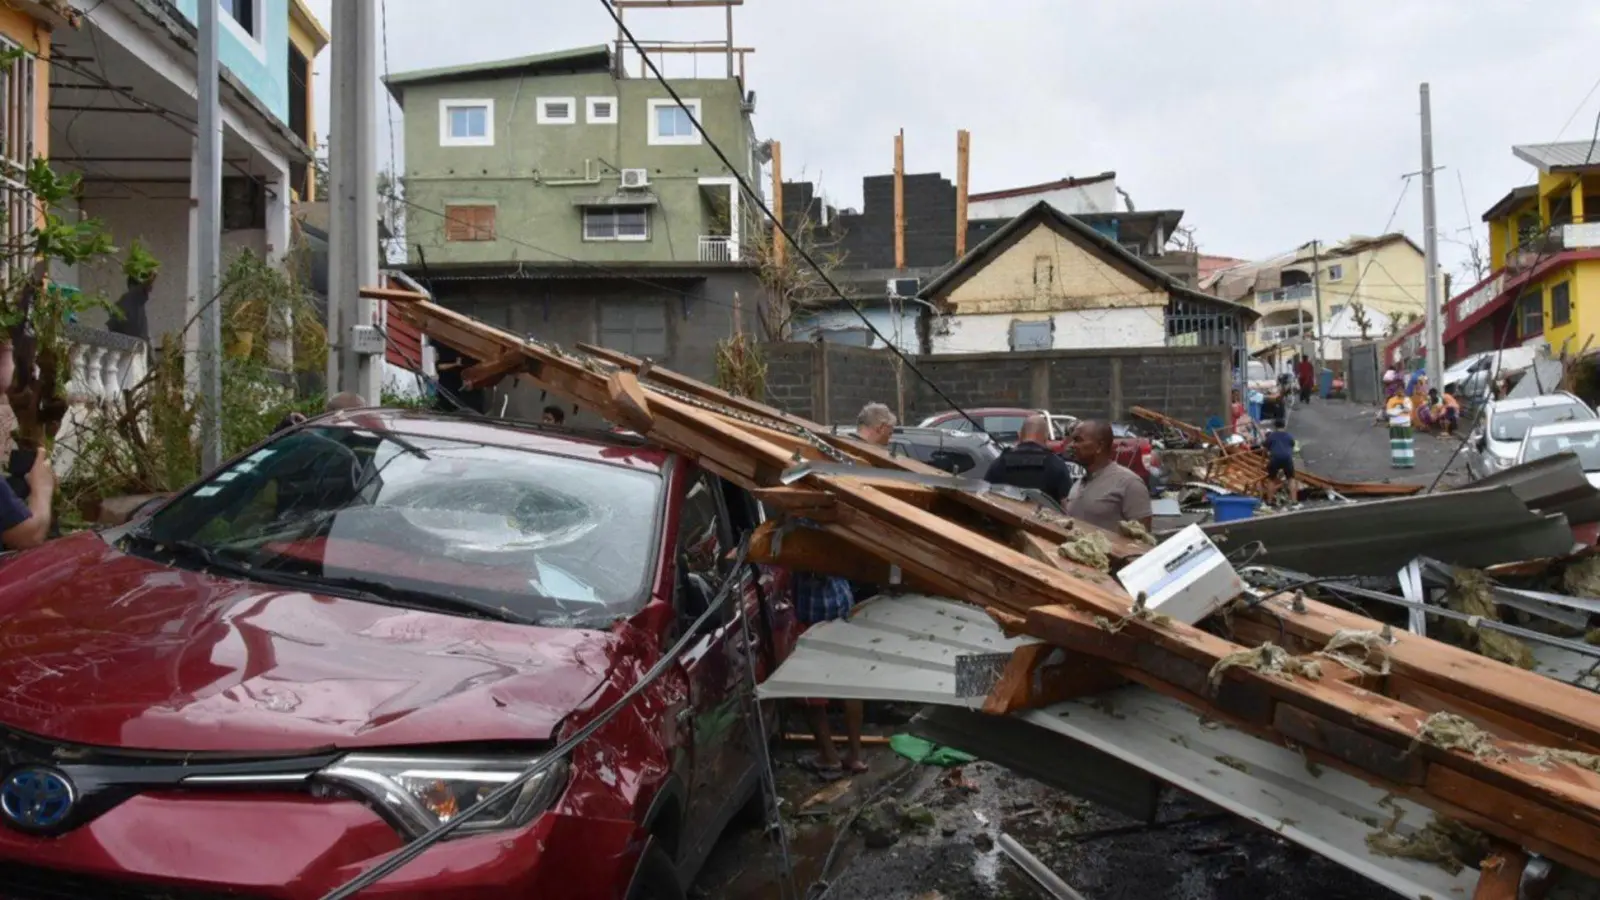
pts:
pixel 820 769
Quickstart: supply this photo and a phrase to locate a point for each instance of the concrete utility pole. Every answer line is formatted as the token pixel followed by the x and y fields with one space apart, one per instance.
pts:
pixel 1316 288
pixel 355 346
pixel 1432 329
pixel 208 240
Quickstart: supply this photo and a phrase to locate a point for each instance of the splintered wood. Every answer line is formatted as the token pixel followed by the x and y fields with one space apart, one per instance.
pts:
pixel 995 553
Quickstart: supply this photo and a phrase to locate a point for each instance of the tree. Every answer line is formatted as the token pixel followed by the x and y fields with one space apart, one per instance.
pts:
pixel 792 286
pixel 392 212
pixel 1358 314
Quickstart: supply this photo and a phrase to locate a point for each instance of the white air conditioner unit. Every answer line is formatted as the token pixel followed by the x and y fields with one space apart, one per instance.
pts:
pixel 904 288
pixel 635 179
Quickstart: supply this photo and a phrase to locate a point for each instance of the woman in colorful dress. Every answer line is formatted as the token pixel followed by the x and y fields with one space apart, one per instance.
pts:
pixel 1402 446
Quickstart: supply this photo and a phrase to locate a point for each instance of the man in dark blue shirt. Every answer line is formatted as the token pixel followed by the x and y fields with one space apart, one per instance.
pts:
pixel 27 524
pixel 1279 445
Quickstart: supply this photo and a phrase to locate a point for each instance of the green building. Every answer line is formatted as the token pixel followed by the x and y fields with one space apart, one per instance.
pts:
pixel 553 196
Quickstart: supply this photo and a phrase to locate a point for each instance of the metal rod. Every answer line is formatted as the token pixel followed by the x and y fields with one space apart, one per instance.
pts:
pixel 208 239
pixel 1052 884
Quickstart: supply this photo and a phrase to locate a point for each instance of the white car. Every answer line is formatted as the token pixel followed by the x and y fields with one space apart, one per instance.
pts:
pixel 1495 444
pixel 1579 437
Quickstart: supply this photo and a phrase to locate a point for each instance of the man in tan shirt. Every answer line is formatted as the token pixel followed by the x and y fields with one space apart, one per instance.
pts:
pixel 1109 493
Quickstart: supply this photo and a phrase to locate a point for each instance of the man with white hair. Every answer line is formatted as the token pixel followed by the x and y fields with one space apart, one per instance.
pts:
pixel 875 424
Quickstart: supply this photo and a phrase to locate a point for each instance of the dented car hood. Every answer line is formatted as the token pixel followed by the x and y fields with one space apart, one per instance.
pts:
pixel 103 648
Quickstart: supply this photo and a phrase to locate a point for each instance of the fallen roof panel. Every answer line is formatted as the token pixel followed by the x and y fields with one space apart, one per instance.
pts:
pixel 1555 484
pixel 1473 528
pixel 1324 811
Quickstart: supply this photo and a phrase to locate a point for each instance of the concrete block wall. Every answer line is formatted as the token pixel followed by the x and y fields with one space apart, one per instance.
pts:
pixel 830 383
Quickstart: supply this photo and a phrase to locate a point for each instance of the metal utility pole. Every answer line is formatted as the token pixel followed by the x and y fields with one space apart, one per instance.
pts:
pixel 208 240
pixel 1432 330
pixel 1316 288
pixel 356 346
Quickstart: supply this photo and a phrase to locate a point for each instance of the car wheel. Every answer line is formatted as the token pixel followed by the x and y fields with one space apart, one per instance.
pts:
pixel 656 878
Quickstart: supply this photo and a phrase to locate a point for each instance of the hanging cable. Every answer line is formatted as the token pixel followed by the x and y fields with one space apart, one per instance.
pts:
pixel 755 197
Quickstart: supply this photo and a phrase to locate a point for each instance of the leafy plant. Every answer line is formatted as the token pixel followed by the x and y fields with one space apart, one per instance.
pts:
pixel 141 267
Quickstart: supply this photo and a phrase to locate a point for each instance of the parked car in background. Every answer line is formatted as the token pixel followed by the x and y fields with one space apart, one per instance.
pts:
pixel 1496 442
pixel 1580 437
pixel 956 452
pixel 1003 423
pixel 1134 451
pixel 345 637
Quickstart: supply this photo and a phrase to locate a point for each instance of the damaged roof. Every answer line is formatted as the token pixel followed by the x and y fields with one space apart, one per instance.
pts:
pixel 595 58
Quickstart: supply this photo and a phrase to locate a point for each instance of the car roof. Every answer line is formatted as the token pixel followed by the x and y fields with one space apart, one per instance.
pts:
pixel 918 434
pixel 989 411
pixel 1574 427
pixel 578 443
pixel 1560 398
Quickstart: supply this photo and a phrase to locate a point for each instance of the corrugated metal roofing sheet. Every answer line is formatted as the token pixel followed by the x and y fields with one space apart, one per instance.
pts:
pixel 904 648
pixel 1553 157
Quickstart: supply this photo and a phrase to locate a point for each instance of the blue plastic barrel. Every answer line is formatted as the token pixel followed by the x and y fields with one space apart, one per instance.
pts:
pixel 1233 507
pixel 1325 382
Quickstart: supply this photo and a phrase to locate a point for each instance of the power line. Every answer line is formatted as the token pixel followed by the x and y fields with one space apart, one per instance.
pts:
pixel 755 197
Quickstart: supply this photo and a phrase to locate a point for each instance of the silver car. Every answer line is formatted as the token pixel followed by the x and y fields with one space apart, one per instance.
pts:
pixel 1495 443
pixel 1580 438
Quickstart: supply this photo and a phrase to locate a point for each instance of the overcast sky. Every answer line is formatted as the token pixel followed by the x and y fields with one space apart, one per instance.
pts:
pixel 1268 123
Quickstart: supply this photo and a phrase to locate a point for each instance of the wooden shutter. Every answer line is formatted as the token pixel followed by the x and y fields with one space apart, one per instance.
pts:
pixel 469 223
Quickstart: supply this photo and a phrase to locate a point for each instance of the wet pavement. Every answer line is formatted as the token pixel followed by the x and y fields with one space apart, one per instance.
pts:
pixel 943 826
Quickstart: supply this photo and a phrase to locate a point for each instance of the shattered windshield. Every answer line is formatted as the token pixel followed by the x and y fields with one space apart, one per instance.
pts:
pixel 1513 425
pixel 1586 444
pixel 542 538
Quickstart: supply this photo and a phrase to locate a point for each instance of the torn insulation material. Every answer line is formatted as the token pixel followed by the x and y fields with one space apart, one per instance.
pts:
pixel 1547 757
pixel 1088 548
pixel 1582 578
pixel 1471 593
pixel 1371 656
pixel 1448 731
pixel 1268 659
pixel 1446 843
pixel 1135 529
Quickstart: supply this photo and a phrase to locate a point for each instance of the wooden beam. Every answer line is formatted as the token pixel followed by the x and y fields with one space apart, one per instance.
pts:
pixel 488 374
pixel 963 151
pixel 1040 675
pixel 900 200
pixel 395 295
pixel 1500 874
pixel 627 399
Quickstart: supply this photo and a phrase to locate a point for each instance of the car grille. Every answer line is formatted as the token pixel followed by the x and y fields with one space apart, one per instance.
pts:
pixel 19 882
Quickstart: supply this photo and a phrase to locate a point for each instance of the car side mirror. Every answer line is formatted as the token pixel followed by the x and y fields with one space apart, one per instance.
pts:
pixel 696 597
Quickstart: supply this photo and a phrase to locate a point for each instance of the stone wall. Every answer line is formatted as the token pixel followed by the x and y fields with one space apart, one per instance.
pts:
pixel 830 383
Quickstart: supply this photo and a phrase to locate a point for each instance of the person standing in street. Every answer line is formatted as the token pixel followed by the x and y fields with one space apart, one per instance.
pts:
pixel 817 599
pixel 1031 464
pixel 875 424
pixel 1109 493
pixel 1402 446
pixel 1279 445
pixel 1306 374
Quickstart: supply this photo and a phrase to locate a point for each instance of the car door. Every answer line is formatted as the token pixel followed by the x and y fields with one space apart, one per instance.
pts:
pixel 713 663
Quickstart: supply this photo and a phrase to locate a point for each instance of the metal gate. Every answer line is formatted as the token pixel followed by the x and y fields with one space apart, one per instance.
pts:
pixel 1362 373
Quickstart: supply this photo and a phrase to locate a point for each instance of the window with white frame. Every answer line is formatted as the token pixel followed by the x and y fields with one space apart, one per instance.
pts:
pixel 466 123
pixel 1336 273
pixel 16 156
pixel 602 111
pixel 244 13
pixel 635 327
pixel 557 110
pixel 671 123
pixel 616 223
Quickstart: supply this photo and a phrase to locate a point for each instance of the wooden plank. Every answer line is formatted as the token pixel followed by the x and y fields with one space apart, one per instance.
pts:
pixel 1039 675
pixel 393 295
pixel 628 402
pixel 817 551
pixel 1500 875
pixel 1566 839
pixel 488 374
pixel 1505 693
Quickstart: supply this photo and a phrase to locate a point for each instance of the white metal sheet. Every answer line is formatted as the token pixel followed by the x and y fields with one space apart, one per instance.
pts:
pixel 904 648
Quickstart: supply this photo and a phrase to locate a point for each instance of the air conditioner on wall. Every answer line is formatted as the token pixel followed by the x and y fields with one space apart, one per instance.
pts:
pixel 904 288
pixel 635 179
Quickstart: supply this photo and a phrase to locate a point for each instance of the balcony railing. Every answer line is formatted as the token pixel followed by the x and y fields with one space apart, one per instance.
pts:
pixel 1276 333
pixel 1292 294
pixel 104 365
pixel 718 249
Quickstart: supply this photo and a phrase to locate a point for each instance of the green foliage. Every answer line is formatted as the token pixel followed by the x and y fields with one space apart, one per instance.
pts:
pixel 141 267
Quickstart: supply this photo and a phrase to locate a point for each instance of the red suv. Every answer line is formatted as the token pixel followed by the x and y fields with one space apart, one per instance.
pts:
pixel 343 638
pixel 1134 451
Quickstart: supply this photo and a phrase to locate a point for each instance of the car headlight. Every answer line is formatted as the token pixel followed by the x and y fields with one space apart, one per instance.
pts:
pixel 418 794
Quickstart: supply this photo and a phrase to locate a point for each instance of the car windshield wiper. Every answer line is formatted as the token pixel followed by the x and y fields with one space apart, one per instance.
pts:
pixel 193 552
pixel 384 592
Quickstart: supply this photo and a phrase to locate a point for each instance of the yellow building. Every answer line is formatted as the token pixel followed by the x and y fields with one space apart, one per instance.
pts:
pixel 1544 252
pixel 307 37
pixel 1385 274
